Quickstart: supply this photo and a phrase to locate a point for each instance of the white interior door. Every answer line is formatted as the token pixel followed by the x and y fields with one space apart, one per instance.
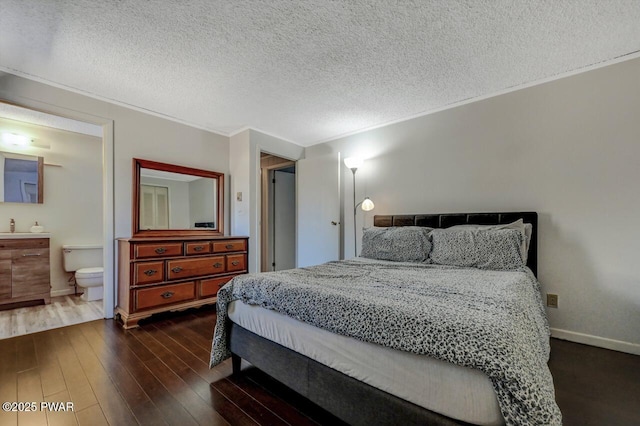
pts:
pixel 318 209
pixel 154 207
pixel 284 218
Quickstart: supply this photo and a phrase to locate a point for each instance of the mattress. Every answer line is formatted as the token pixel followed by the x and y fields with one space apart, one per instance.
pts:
pixel 458 392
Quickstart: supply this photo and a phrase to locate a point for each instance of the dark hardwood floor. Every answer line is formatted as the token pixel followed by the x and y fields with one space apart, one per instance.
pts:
pixel 158 374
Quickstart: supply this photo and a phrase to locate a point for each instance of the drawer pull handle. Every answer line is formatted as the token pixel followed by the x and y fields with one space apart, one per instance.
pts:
pixel 31 254
pixel 167 294
pixel 176 269
pixel 217 265
pixel 198 248
pixel 229 246
pixel 160 250
pixel 150 272
pixel 235 262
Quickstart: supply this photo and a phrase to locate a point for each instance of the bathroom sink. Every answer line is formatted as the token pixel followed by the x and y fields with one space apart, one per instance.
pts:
pixel 16 235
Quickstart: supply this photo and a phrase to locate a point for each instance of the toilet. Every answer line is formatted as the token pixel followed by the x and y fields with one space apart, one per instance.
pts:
pixel 85 261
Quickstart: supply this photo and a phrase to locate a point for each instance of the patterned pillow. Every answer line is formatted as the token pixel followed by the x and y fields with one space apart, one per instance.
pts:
pixel 525 228
pixel 479 248
pixel 400 244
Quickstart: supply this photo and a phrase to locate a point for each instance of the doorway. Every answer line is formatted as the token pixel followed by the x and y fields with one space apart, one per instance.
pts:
pixel 278 213
pixel 55 133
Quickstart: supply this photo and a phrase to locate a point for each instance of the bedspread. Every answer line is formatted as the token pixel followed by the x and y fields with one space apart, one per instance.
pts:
pixel 493 321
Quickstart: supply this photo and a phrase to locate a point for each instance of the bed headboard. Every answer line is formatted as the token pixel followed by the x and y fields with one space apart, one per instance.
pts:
pixel 446 220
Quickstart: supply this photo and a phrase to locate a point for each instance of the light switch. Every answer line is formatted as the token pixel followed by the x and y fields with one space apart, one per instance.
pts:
pixel 239 196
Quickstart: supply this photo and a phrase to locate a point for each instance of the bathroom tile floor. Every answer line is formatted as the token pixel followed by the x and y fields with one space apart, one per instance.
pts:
pixel 62 311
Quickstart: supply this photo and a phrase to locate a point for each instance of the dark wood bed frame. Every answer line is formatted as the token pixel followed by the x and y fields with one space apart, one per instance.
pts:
pixel 347 398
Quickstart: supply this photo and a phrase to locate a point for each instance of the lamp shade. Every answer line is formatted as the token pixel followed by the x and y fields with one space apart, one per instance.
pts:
pixel 367 204
pixel 353 162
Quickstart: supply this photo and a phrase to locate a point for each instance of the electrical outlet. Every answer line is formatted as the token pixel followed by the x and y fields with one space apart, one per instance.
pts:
pixel 552 300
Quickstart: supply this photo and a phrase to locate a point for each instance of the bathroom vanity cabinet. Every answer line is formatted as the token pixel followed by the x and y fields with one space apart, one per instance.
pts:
pixel 174 273
pixel 24 269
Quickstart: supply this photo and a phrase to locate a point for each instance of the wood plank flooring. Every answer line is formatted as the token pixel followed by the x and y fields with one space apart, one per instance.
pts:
pixel 158 375
pixel 62 311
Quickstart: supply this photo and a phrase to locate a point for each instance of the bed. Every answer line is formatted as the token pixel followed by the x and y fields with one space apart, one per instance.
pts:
pixel 367 366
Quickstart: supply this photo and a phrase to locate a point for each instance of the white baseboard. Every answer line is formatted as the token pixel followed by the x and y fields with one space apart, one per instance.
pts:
pixel 601 342
pixel 63 292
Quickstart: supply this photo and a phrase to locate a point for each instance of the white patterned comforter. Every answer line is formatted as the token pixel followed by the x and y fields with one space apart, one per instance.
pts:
pixel 490 320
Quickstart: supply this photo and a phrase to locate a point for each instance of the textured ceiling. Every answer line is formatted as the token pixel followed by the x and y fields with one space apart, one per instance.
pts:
pixel 306 71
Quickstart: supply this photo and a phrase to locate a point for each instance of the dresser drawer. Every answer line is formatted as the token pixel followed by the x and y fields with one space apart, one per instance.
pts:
pixel 229 245
pixel 202 247
pixel 164 295
pixel 236 262
pixel 141 251
pixel 148 272
pixel 210 286
pixel 158 274
pixel 202 266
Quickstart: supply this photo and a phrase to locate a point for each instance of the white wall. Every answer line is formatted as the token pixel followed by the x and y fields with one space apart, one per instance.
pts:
pixel 201 207
pixel 568 149
pixel 72 208
pixel 239 147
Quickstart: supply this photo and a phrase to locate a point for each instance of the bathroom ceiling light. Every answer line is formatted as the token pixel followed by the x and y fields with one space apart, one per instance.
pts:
pixel 15 139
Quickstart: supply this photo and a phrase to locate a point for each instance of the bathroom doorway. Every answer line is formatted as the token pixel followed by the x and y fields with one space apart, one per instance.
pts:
pixel 77 208
pixel 278 213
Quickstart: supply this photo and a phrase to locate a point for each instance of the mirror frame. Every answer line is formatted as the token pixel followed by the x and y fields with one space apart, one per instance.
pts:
pixel 147 164
pixel 40 161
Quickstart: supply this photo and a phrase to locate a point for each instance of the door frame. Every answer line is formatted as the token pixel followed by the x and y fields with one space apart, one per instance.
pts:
pixel 109 287
pixel 264 206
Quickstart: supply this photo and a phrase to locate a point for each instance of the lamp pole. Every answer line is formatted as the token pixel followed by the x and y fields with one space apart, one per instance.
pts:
pixel 353 163
pixel 355 207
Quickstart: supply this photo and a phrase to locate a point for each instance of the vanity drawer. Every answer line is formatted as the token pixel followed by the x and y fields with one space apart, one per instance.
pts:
pixel 210 286
pixel 148 272
pixel 236 262
pixel 141 251
pixel 24 243
pixel 164 295
pixel 186 268
pixel 201 247
pixel 229 245
pixel 5 274
pixel 30 272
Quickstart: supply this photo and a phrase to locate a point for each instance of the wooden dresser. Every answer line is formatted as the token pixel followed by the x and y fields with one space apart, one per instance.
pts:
pixel 174 273
pixel 24 269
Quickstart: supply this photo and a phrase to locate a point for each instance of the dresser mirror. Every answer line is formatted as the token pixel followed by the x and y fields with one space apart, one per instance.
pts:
pixel 21 178
pixel 172 200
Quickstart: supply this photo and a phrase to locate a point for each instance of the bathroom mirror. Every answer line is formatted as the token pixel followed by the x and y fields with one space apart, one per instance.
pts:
pixel 171 200
pixel 21 178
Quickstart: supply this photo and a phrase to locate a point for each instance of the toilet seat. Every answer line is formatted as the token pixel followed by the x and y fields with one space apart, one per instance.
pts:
pixel 89 272
pixel 89 277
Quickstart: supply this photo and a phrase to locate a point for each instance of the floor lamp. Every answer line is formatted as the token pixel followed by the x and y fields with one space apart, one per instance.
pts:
pixel 354 163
